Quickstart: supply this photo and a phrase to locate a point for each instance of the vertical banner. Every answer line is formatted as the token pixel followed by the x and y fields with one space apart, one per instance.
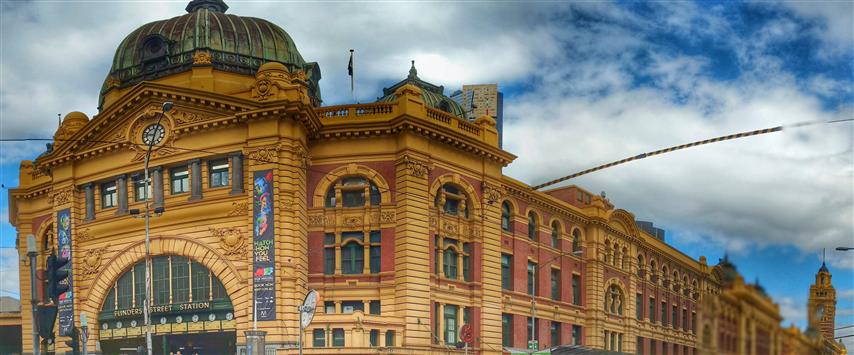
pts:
pixel 65 308
pixel 264 257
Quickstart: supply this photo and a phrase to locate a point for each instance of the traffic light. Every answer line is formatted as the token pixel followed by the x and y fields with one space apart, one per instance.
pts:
pixel 45 319
pixel 57 277
pixel 74 341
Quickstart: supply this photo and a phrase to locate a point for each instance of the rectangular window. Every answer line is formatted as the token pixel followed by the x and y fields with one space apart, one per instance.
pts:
pixel 555 333
pixel 664 313
pixel 652 344
pixel 374 337
pixel 674 317
pixel 108 195
pixel 329 261
pixel 620 342
pixel 694 322
pixel 374 307
pixel 506 329
pixel 201 282
pixel 506 271
pixel 125 291
pixel 139 285
pixel 180 280
pixel 639 306
pixel 467 251
pixel 576 289
pixel 664 348
pixel 576 335
pixel 450 324
pixel 140 193
pixel 639 347
pixel 651 310
pixel 684 319
pixel 532 280
pixel 180 178
pixel 218 172
pixel 329 307
pixel 160 280
pixel 376 252
pixel 338 337
pixel 389 338
pixel 319 338
pixel 348 307
pixel 532 329
pixel 555 284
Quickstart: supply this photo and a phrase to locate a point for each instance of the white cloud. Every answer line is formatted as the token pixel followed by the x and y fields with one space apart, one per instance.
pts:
pixel 9 284
pixel 794 311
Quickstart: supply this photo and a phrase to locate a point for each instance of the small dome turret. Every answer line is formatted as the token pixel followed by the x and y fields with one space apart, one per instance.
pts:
pixel 433 95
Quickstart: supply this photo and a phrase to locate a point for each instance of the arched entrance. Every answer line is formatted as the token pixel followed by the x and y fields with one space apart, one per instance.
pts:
pixel 191 313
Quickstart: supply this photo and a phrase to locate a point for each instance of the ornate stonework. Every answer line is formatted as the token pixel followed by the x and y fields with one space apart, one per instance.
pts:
pixel 183 117
pixel 61 196
pixel 267 154
pixel 92 260
pixel 352 221
pixel 201 58
pixel 238 208
pixel 231 240
pixel 416 168
pixel 84 235
pixel 493 193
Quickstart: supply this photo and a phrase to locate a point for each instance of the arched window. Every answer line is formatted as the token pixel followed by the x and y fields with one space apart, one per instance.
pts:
pixel 506 216
pixel 641 265
pixel 614 300
pixel 352 258
pixel 555 234
pixel 450 260
pixel 452 201
pixel 617 256
pixel 576 240
pixel 664 276
pixel 695 290
pixel 354 191
pixel 653 271
pixel 624 258
pixel 532 225
pixel 675 280
pixel 607 251
pixel 685 288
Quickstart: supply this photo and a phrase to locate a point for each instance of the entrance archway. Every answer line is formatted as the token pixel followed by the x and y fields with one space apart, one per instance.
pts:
pixel 191 312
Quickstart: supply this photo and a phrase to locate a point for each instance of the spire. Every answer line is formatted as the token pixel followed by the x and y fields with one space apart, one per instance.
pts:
pixel 413 73
pixel 211 5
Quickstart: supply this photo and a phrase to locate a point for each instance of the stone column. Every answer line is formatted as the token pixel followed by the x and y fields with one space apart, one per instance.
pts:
pixel 156 176
pixel 236 173
pixel 441 321
pixel 195 167
pixel 122 194
pixel 89 190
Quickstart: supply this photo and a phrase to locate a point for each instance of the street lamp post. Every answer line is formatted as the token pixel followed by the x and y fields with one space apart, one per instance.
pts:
pixel 147 304
pixel 31 253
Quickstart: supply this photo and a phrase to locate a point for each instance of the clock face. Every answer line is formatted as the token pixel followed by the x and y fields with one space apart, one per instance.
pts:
pixel 153 134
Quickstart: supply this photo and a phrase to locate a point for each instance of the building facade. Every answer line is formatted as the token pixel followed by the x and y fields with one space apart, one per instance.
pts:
pixel 396 212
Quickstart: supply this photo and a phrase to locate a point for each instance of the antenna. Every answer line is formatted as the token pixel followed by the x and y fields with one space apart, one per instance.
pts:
pixel 58 120
pixel 823 255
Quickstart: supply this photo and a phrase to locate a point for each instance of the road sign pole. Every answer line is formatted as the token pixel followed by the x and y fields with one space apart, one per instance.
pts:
pixel 31 253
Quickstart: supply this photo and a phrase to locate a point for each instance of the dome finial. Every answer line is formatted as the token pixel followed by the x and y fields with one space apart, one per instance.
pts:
pixel 413 73
pixel 211 5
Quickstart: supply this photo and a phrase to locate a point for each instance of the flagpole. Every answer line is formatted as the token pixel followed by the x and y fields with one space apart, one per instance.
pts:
pixel 352 77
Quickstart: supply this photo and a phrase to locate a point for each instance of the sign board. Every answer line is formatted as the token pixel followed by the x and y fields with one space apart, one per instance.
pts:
pixel 533 344
pixel 263 246
pixel 466 333
pixel 65 307
pixel 309 305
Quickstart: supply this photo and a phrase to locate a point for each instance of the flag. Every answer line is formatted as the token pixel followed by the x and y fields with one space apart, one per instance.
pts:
pixel 350 64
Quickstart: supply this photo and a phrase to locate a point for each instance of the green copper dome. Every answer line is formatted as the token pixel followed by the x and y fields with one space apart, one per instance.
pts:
pixel 433 95
pixel 234 43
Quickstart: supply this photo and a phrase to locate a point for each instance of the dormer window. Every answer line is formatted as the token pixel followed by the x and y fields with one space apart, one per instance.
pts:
pixel 354 191
pixel 452 201
pixel 153 48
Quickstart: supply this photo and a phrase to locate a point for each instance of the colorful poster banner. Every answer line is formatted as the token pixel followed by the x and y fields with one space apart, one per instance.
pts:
pixel 65 308
pixel 264 289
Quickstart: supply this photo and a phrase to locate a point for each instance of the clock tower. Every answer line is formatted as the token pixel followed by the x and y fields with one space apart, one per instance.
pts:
pixel 821 307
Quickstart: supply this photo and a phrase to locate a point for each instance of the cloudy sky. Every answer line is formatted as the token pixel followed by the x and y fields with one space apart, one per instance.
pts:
pixel 584 83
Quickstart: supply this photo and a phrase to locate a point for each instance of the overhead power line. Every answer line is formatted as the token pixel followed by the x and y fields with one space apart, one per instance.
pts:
pixel 687 145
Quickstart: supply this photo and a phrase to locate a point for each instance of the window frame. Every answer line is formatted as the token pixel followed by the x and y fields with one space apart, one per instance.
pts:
pixel 533 225
pixel 181 176
pixel 215 169
pixel 338 338
pixel 109 195
pixel 318 338
pixel 507 272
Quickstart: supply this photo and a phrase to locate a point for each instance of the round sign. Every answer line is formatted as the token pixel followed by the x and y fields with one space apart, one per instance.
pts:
pixel 105 326
pixel 229 316
pixel 133 323
pixel 211 317
pixel 307 309
pixel 195 318
pixel 162 320
pixel 466 333
pixel 119 324
pixel 179 319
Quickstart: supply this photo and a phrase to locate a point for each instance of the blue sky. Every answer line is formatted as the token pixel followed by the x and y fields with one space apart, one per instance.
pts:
pixel 584 83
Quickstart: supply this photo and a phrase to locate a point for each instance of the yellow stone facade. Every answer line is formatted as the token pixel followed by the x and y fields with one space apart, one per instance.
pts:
pixel 447 218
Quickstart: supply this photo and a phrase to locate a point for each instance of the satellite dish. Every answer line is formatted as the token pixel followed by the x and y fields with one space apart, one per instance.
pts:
pixel 307 308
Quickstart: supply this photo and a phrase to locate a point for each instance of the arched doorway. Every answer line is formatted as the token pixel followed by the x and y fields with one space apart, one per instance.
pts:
pixel 191 310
